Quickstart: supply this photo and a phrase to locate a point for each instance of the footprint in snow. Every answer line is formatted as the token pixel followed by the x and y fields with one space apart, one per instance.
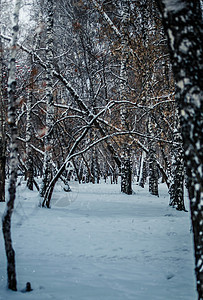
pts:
pixel 169 276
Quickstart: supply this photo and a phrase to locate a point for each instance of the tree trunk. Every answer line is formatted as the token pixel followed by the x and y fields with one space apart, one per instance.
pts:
pixel 182 21
pixel 48 139
pixel 6 220
pixel 126 177
pixel 153 172
pixel 143 171
pixel 2 168
pixel 30 172
pixel 29 158
pixel 2 131
pixel 153 168
pixel 126 166
pixel 176 190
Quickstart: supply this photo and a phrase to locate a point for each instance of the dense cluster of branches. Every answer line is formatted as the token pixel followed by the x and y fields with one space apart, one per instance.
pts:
pixel 83 78
pixel 94 89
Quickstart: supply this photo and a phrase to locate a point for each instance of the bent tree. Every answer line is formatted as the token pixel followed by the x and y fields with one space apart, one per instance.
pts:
pixel 182 22
pixel 6 219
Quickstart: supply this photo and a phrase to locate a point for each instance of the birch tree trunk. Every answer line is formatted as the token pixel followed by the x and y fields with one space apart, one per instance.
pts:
pixel 143 171
pixel 126 166
pixel 176 190
pixel 153 168
pixel 48 139
pixel 29 159
pixel 2 131
pixel 29 156
pixel 6 219
pixel 182 22
pixel 2 165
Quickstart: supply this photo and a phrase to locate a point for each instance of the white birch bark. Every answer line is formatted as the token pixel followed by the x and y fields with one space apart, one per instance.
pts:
pixel 153 169
pixel 29 159
pixel 176 190
pixel 126 168
pixel 6 219
pixel 106 17
pixel 48 139
pixel 142 176
pixel 2 130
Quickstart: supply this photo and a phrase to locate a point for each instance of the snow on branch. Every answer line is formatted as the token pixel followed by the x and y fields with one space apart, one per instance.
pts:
pixel 106 17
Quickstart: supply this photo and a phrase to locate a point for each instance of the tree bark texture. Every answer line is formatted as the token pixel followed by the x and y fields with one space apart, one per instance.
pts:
pixel 126 166
pixel 143 170
pixel 176 189
pixel 29 158
pixel 6 219
pixel 153 168
pixel 2 131
pixel 48 139
pixel 126 179
pixel 2 168
pixel 182 21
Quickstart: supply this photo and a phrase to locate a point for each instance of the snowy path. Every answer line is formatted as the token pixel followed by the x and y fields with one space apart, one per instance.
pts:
pixel 98 244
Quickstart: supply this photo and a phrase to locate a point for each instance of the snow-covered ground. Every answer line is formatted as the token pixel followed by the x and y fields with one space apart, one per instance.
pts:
pixel 98 244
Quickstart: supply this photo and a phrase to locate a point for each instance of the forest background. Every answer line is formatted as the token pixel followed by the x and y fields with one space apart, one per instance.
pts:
pixel 87 90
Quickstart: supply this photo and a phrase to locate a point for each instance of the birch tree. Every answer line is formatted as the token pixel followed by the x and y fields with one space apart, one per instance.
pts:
pixel 6 219
pixel 182 21
pixel 176 190
pixel 2 129
pixel 29 158
pixel 48 139
pixel 153 170
pixel 142 170
pixel 126 165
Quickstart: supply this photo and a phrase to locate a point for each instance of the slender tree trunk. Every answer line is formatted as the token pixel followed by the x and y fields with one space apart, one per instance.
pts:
pixel 6 220
pixel 29 158
pixel 182 22
pixel 2 168
pixel 126 165
pixel 176 190
pixel 2 131
pixel 48 139
pixel 126 174
pixel 153 169
pixel 143 171
pixel 167 176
